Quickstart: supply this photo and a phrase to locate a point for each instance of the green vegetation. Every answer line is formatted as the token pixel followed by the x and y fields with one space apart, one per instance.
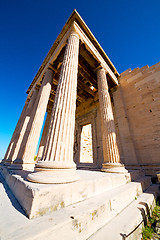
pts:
pixel 152 229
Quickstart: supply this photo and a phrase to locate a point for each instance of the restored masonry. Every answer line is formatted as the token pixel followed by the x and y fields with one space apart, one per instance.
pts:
pixel 138 113
pixel 86 101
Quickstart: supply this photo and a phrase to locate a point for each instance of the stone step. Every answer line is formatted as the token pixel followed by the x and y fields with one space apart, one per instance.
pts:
pixel 128 224
pixel 39 199
pixel 78 221
pixel 134 175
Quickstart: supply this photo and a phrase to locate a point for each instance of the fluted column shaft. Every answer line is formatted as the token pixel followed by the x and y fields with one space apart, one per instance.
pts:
pixel 44 136
pixel 13 139
pixel 59 144
pixel 110 148
pixel 58 151
pixel 22 128
pixel 29 143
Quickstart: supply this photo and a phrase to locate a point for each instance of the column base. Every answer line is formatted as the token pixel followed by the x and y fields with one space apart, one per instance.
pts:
pixel 24 166
pixel 114 168
pixel 3 160
pixel 49 165
pixel 53 175
pixel 7 162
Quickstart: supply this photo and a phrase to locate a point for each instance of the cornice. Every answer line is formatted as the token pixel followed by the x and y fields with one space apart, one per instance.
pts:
pixel 74 18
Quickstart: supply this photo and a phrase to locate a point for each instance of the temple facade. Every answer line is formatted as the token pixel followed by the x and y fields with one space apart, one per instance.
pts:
pixel 85 151
pixel 77 85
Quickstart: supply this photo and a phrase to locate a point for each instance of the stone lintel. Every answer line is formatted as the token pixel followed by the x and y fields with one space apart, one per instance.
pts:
pixel 87 37
pixel 90 46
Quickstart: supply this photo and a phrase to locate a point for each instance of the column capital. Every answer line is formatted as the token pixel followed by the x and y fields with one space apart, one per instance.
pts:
pixel 74 30
pixel 100 68
pixel 48 76
pixel 51 68
pixel 101 77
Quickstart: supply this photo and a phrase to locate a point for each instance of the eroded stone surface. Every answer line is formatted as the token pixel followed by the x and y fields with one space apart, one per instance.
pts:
pixel 73 95
pixel 36 198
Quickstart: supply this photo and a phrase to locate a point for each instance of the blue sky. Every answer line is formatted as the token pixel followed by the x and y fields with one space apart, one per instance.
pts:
pixel 128 31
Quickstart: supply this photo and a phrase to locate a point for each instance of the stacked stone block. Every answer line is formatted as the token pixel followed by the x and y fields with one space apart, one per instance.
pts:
pixel 138 113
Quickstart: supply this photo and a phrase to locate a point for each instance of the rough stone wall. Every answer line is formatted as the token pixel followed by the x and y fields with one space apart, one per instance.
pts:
pixel 86 152
pixel 137 106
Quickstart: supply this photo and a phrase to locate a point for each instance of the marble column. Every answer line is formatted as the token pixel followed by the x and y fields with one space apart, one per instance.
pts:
pixel 110 149
pixel 57 164
pixel 7 158
pixel 44 136
pixel 25 156
pixel 22 127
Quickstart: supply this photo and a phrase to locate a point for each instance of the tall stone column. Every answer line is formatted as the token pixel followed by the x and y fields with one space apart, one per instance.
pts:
pixel 57 164
pixel 25 156
pixel 44 136
pixel 110 149
pixel 22 128
pixel 7 160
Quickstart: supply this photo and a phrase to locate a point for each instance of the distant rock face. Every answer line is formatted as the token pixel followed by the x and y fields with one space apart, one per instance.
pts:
pixel 86 153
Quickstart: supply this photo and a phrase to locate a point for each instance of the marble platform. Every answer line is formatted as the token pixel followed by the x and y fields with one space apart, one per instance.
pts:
pixel 67 211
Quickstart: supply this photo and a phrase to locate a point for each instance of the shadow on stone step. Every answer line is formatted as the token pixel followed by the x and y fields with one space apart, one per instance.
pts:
pixel 12 198
pixel 22 173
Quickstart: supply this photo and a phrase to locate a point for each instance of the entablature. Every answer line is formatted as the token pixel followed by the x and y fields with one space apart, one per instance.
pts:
pixel 91 55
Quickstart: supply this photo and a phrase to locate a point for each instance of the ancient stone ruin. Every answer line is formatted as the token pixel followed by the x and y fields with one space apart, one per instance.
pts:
pixel 89 117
